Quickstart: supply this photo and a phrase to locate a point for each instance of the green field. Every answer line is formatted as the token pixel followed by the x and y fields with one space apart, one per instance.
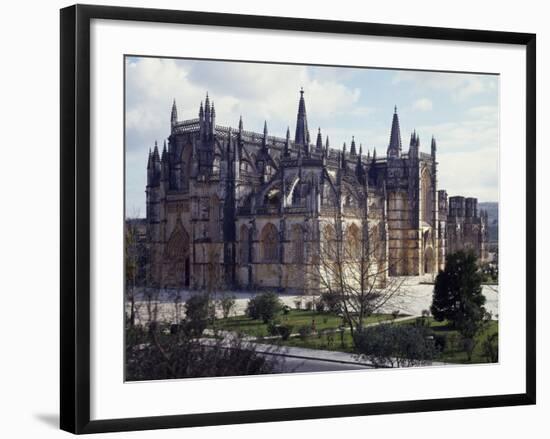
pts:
pixel 295 318
pixel 328 337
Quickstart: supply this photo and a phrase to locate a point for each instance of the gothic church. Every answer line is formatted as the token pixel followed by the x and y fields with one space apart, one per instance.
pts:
pixel 246 210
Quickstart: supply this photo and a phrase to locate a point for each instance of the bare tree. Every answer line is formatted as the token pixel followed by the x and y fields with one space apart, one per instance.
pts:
pixel 131 266
pixel 351 264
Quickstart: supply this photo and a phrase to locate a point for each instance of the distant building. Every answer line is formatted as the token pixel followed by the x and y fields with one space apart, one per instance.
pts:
pixel 467 229
pixel 249 208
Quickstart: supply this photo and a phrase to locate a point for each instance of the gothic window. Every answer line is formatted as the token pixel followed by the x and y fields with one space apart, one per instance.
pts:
pixel 214 217
pixel 329 242
pixel 426 197
pixel 297 244
pixel 244 245
pixel 269 241
pixel 353 242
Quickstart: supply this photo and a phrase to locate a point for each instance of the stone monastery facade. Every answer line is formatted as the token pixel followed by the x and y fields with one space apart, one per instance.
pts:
pixel 247 210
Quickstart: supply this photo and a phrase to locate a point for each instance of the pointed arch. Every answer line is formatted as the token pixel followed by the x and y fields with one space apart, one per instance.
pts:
pixel 297 236
pixel 244 245
pixel 176 257
pixel 426 201
pixel 353 241
pixel 269 243
pixel 214 217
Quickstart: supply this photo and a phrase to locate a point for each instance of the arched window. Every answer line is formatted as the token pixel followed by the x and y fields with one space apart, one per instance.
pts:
pixel 353 242
pixel 328 243
pixel 426 209
pixel 269 240
pixel 244 245
pixel 297 244
pixel 214 217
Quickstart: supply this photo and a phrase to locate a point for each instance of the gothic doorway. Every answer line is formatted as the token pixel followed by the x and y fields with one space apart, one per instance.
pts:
pixel 176 258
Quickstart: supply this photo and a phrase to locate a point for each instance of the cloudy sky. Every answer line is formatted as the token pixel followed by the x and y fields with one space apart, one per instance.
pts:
pixel 460 110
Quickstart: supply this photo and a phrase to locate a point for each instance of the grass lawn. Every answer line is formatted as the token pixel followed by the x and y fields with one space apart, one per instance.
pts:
pixel 295 318
pixel 325 340
pixel 454 352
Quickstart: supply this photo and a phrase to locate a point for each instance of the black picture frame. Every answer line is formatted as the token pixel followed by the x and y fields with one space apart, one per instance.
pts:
pixel 75 217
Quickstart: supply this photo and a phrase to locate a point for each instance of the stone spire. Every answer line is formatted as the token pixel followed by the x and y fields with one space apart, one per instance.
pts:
pixel 156 156
pixel 207 106
pixel 394 147
pixel 353 151
pixel 327 146
pixel 302 132
pixel 344 156
pixel 264 140
pixel 149 159
pixel 414 145
pixel 201 112
pixel 286 151
pixel 319 143
pixel 164 152
pixel 434 146
pixel 174 115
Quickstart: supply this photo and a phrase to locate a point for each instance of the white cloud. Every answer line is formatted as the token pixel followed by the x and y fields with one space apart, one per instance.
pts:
pixel 461 86
pixel 423 104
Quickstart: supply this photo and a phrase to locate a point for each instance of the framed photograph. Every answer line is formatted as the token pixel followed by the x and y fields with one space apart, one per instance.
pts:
pixel 274 218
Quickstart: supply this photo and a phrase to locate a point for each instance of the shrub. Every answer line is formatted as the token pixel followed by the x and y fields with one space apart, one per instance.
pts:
pixel 309 305
pixel 332 302
pixel 198 312
pixel 298 304
pixel 264 306
pixel 285 331
pixel 490 348
pixel 457 295
pixel 440 342
pixel 149 357
pixel 227 304
pixel 278 330
pixel 319 306
pixel 394 345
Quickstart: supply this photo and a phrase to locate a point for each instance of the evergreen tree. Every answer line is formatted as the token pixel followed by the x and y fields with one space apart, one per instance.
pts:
pixel 458 296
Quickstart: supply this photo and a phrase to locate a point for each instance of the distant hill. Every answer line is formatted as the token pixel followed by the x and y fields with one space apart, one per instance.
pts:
pixel 492 213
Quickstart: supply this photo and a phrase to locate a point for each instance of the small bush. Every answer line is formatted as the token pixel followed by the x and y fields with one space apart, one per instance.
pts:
pixel 198 312
pixel 309 305
pixel 490 348
pixel 227 304
pixel 278 330
pixel 319 306
pixel 395 345
pixel 440 342
pixel 285 331
pixel 332 302
pixel 264 306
